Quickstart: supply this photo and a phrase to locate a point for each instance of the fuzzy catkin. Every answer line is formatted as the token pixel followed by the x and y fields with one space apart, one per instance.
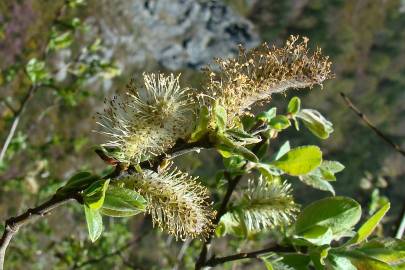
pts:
pixel 176 202
pixel 268 204
pixel 255 75
pixel 146 122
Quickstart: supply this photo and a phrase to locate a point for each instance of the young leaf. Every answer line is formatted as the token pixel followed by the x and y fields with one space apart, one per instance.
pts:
pixel 227 148
pixel 296 261
pixel 78 182
pixel 362 261
pixel 220 117
pixel 294 106
pixel 316 235
pixel 388 250
pixel 60 41
pixel 94 223
pixel 280 122
pixel 94 195
pixel 283 150
pixel 335 262
pixel 273 262
pixel 36 71
pixel 300 160
pixel 340 214
pixel 317 181
pixel 122 202
pixel 268 115
pixel 318 256
pixel 201 128
pixel 368 227
pixel 316 123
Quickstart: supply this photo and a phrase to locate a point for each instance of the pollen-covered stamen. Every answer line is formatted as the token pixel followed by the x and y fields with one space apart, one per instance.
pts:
pixel 256 75
pixel 146 122
pixel 176 202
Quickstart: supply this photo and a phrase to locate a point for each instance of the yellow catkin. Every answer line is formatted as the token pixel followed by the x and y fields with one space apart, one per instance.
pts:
pixel 146 122
pixel 177 203
pixel 255 75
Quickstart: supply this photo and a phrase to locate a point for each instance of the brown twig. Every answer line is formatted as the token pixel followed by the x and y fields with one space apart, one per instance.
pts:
pixel 15 223
pixel 379 133
pixel 232 183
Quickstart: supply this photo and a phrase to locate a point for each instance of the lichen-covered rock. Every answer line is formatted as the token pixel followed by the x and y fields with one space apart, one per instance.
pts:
pixel 174 33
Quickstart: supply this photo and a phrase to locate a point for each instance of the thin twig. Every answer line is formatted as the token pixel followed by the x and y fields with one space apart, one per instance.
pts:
pixel 232 183
pixel 108 255
pixel 15 223
pixel 182 251
pixel 16 121
pixel 8 105
pixel 370 125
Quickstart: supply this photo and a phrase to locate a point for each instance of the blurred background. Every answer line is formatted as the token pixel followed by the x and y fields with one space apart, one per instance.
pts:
pixel 83 51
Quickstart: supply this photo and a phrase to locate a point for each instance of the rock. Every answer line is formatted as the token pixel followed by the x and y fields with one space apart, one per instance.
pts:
pixel 175 33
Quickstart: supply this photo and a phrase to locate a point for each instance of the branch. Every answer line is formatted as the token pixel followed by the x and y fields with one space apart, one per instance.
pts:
pixel 370 125
pixel 213 261
pixel 16 121
pixel 15 223
pixel 232 183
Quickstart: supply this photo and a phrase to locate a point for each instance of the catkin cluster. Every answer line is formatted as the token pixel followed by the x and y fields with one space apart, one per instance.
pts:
pixel 149 120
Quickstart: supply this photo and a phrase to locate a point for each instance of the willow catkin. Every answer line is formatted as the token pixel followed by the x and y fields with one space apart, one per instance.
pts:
pixel 177 203
pixel 257 74
pixel 146 122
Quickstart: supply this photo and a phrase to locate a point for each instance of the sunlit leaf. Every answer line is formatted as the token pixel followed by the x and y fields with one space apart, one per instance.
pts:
pixel 94 223
pixel 337 213
pixel 300 160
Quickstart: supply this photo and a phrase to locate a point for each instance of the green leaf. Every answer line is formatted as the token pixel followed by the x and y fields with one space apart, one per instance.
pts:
pixel 268 115
pixel 280 122
pixel 320 177
pixel 242 136
pixel 316 123
pixel 333 166
pixel 79 181
pixel 300 160
pixel 94 223
pixel 94 195
pixel 274 262
pixel 36 71
pixel 122 202
pixel 340 214
pixel 227 148
pixel 230 225
pixel 296 261
pixel 363 262
pixel 283 150
pixel 335 262
pixel 316 235
pixel 318 256
pixel 388 250
pixel 202 125
pixel 317 182
pixel 220 117
pixel 60 40
pixel 368 227
pixel 294 106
